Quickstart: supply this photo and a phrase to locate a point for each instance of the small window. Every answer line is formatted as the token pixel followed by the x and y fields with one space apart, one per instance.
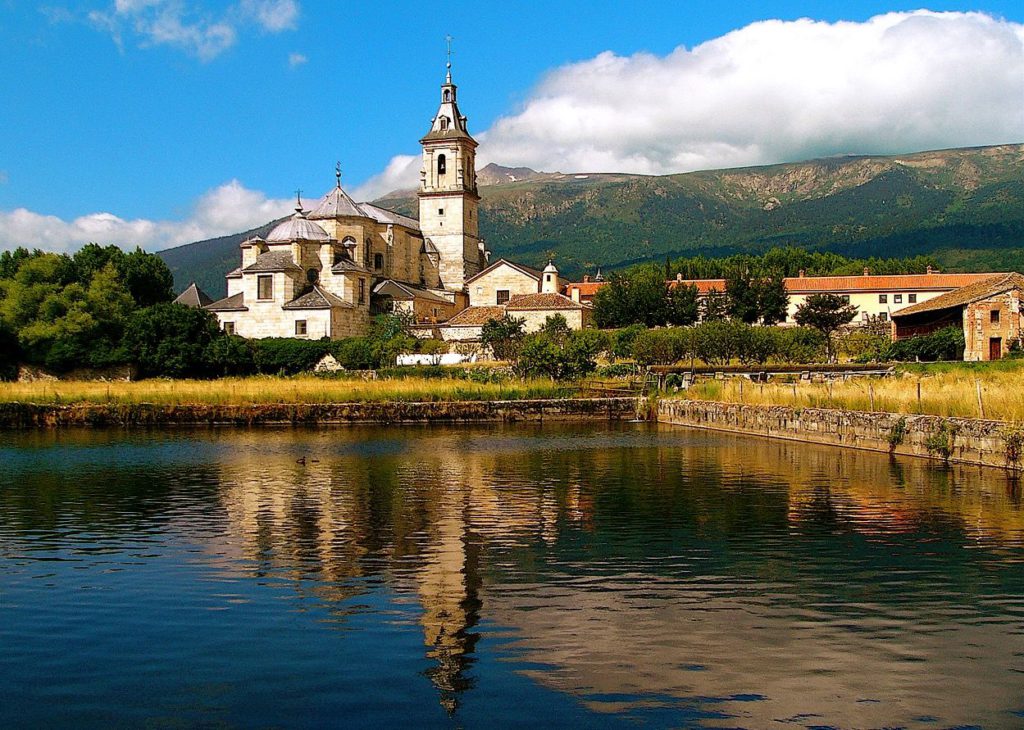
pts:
pixel 378 261
pixel 444 124
pixel 300 328
pixel 994 316
pixel 229 328
pixel 846 298
pixel 440 211
pixel 265 287
pixel 362 291
pixel 897 298
pixel 883 298
pixel 502 296
pixel 912 298
pixel 442 165
pixel 883 316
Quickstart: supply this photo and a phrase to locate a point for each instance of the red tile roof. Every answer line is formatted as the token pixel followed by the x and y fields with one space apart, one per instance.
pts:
pixel 522 302
pixel 965 295
pixel 475 316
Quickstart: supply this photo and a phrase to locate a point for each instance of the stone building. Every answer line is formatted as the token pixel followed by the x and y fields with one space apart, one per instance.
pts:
pixel 325 271
pixel 989 311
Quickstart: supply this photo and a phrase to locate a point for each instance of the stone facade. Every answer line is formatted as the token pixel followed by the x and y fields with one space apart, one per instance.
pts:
pixel 991 325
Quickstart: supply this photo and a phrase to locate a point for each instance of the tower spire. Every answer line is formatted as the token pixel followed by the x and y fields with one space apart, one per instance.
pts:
pixel 337 172
pixel 448 66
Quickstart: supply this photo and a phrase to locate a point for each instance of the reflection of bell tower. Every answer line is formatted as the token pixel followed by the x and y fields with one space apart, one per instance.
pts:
pixel 448 195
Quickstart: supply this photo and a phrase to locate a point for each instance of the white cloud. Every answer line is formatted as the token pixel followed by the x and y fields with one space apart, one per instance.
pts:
pixel 297 59
pixel 273 16
pixel 227 209
pixel 401 173
pixel 770 92
pixel 179 24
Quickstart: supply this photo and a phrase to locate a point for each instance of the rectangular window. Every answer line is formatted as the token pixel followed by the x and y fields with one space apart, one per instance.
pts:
pixel 502 296
pixel 440 211
pixel 265 287
pixel 994 316
pixel 378 261
pixel 229 328
pixel 362 291
pixel 897 298
pixel 912 298
pixel 300 328
pixel 884 316
pixel 883 298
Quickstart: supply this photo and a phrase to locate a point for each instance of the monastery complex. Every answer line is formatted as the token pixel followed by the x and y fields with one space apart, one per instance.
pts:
pixel 325 271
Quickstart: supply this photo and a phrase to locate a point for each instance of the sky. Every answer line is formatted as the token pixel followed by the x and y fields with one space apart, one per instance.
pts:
pixel 161 122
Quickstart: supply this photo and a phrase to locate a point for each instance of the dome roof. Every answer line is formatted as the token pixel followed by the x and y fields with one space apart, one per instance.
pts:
pixel 297 228
pixel 336 204
pixel 550 268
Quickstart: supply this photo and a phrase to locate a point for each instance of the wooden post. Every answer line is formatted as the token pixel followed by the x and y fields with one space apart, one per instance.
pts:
pixel 871 395
pixel 919 395
pixel 981 404
pixel 741 389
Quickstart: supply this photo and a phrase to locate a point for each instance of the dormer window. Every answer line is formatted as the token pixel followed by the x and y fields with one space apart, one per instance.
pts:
pixel 442 165
pixel 444 124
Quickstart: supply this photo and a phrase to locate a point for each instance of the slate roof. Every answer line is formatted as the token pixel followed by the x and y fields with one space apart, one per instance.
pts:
pixel 349 265
pixel 272 261
pixel 966 294
pixel 235 273
pixel 475 316
pixel 297 228
pixel 405 292
pixel 522 302
pixel 336 204
pixel 316 298
pixel 234 303
pixel 382 215
pixel 194 297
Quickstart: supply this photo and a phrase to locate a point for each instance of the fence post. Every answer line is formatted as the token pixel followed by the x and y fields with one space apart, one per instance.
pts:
pixel 919 395
pixel 871 395
pixel 981 404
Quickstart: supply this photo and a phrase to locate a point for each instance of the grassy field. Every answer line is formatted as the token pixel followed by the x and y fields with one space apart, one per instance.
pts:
pixel 947 389
pixel 298 389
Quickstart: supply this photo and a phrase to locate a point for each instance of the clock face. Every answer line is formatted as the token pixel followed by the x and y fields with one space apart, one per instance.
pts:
pixel 312 276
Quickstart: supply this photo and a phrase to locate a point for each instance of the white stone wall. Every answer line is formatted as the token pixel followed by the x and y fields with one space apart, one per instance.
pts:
pixel 483 292
pixel 868 301
pixel 535 318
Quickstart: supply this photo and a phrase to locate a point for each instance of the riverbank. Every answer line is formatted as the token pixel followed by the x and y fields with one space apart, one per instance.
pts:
pixel 963 440
pixel 15 416
pixel 989 390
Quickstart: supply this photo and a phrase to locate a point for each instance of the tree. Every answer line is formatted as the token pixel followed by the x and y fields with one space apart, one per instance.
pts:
pixel 682 304
pixel 566 358
pixel 741 296
pixel 10 353
pixel 714 306
pixel 636 297
pixel 147 277
pixel 825 313
pixel 556 327
pixel 172 340
pixel 772 299
pixel 503 336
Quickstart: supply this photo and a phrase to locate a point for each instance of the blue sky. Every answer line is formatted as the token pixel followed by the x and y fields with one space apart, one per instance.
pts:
pixel 147 109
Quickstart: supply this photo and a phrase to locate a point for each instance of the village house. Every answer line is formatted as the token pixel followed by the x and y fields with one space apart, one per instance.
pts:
pixel 989 311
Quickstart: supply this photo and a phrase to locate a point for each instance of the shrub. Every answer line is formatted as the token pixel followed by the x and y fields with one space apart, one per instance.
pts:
pixel 661 346
pixel 800 345
pixel 714 342
pixel 231 355
pixel 503 336
pixel 288 356
pixel 564 359
pixel 755 345
pixel 622 340
pixel 171 340
pixel 354 353
pixel 944 344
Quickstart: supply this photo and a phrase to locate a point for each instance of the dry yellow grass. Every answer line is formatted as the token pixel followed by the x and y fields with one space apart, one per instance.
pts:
pixel 944 392
pixel 299 389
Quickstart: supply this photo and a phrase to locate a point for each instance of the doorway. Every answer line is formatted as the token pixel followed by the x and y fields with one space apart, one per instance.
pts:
pixel 995 348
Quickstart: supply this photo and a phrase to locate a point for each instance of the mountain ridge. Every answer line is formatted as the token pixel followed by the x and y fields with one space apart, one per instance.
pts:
pixel 964 205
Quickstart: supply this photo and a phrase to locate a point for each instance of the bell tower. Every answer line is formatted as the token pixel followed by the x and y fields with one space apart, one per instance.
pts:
pixel 448 196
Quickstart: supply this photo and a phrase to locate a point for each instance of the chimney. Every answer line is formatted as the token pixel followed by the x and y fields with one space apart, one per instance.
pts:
pixel 679 278
pixel 586 278
pixel 929 270
pixel 865 271
pixel 802 273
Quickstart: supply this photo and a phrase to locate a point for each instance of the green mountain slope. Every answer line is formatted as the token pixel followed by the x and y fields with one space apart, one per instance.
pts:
pixel 965 206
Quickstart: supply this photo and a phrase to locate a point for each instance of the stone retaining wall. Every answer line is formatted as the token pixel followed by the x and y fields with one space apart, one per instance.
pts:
pixel 26 415
pixel 966 440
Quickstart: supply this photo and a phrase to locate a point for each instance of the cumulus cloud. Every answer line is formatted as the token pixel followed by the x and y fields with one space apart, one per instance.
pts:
pixel 772 91
pixel 227 209
pixel 185 26
pixel 297 59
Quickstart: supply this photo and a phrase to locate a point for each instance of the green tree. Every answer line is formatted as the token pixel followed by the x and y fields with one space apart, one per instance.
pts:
pixel 10 353
pixel 682 304
pixel 171 340
pixel 714 306
pixel 772 299
pixel 503 336
pixel 147 277
pixel 565 358
pixel 825 313
pixel 741 294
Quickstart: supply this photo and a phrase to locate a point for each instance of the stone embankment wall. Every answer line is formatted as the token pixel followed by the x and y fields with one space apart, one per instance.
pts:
pixel 966 440
pixel 27 416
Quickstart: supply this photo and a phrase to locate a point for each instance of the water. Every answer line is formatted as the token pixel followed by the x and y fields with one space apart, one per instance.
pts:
pixel 615 576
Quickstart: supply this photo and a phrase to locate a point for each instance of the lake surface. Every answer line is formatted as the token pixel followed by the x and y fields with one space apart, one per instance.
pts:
pixel 615 575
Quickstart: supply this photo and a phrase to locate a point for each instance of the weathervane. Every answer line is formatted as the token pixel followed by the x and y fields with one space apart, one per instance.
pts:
pixel 298 200
pixel 448 41
pixel 337 172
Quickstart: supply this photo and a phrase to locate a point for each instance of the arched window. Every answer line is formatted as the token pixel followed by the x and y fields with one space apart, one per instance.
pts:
pixel 444 124
pixel 447 95
pixel 366 252
pixel 442 165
